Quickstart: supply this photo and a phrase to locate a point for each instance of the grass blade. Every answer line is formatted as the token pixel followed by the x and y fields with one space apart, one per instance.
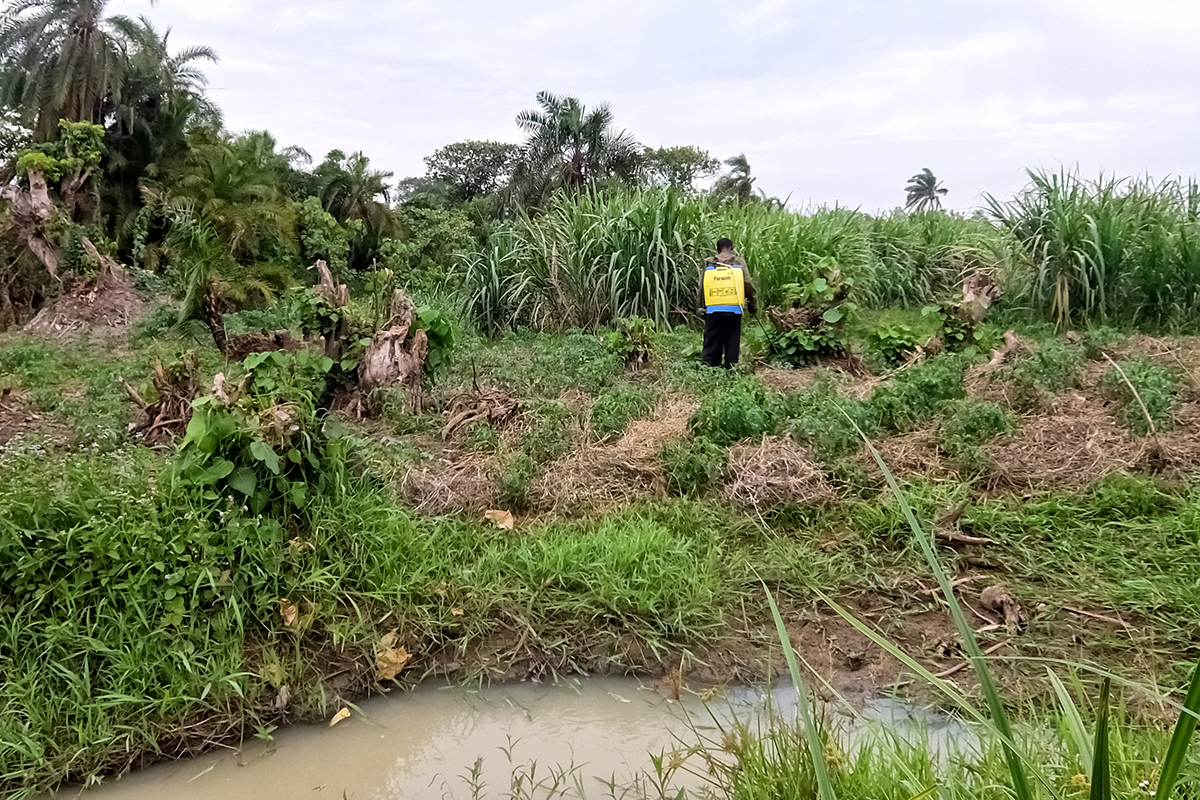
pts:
pixel 1180 739
pixel 1074 721
pixel 1101 786
pixel 991 693
pixel 815 748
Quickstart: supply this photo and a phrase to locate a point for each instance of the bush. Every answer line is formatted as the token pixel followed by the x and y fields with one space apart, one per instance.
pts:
pixel 968 425
pixel 815 418
pixel 1157 387
pixel 739 410
pixel 691 467
pixel 516 473
pixel 549 435
pixel 969 422
pixel 615 408
pixel 919 393
pixel 1054 367
pixel 894 342
pixel 261 440
pixel 1097 341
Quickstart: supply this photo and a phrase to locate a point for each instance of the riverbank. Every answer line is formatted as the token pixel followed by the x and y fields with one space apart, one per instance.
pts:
pixel 145 618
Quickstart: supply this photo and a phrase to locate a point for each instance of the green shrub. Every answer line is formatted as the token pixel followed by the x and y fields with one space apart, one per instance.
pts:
pixel 692 466
pixel 739 410
pixel 815 417
pixel 1156 385
pixel 615 408
pixel 918 393
pixel 260 440
pixel 967 426
pixel 516 473
pixel 894 342
pixel 549 434
pixel 481 438
pixel 1098 341
pixel 970 422
pixel 1054 367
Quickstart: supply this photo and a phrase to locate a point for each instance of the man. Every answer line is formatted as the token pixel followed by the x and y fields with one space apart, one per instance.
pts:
pixel 725 290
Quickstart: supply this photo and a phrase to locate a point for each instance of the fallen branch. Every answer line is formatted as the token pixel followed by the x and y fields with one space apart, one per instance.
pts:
pixel 960 667
pixel 1094 615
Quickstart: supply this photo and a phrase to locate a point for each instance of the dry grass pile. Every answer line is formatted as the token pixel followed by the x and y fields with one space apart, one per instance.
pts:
pixel 1176 452
pixel 910 454
pixel 494 407
pixel 1072 447
pixel 777 471
pixel 104 308
pixel 597 476
pixel 452 483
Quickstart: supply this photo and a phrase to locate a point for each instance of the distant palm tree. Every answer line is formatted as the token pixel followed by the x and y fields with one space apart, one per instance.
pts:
pixel 354 191
pixel 62 59
pixel 571 147
pixel 924 191
pixel 737 183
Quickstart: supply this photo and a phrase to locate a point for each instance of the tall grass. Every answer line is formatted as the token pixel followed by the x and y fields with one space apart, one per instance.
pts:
pixel 588 260
pixel 1109 250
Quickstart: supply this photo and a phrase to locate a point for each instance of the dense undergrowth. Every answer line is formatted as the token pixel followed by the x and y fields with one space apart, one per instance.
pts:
pixel 154 605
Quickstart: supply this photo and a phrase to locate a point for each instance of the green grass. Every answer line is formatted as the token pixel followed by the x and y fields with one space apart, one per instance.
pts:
pixel 80 382
pixel 1146 394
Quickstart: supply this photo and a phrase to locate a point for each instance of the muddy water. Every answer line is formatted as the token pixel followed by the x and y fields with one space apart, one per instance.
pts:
pixel 424 744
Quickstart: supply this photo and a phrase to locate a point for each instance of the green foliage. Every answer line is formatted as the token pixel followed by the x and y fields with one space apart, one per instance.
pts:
pixel 442 340
pixel 691 466
pixel 740 410
pixel 1110 250
pixel 1098 341
pixel 1052 368
pixel 616 407
pixel 825 421
pixel 632 340
pixel 542 366
pixel 1156 386
pixel 969 424
pixel 77 150
pixel 679 167
pixel 957 332
pixel 481 437
pixel 918 393
pixel 262 444
pixel 812 323
pixel 549 430
pixel 516 473
pixel 472 168
pixel 322 238
pixel 894 342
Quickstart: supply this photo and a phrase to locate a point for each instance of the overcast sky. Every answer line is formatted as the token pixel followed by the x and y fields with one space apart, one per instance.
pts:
pixel 832 101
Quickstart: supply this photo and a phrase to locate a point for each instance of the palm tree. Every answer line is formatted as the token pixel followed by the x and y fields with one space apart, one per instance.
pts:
pixel 572 148
pixel 924 191
pixel 737 183
pixel 352 193
pixel 61 59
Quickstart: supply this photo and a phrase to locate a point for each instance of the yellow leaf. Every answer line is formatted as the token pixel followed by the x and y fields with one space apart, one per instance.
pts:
pixel 389 662
pixel 273 674
pixel 458 612
pixel 289 612
pixel 344 714
pixel 389 639
pixel 503 519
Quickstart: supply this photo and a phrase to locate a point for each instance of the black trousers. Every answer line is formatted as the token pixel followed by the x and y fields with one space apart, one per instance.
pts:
pixel 722 338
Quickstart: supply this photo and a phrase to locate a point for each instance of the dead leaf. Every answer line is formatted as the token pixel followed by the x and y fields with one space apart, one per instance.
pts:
pixel 503 519
pixel 289 612
pixel 997 599
pixel 344 714
pixel 389 639
pixel 389 662
pixel 282 699
pixel 458 612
